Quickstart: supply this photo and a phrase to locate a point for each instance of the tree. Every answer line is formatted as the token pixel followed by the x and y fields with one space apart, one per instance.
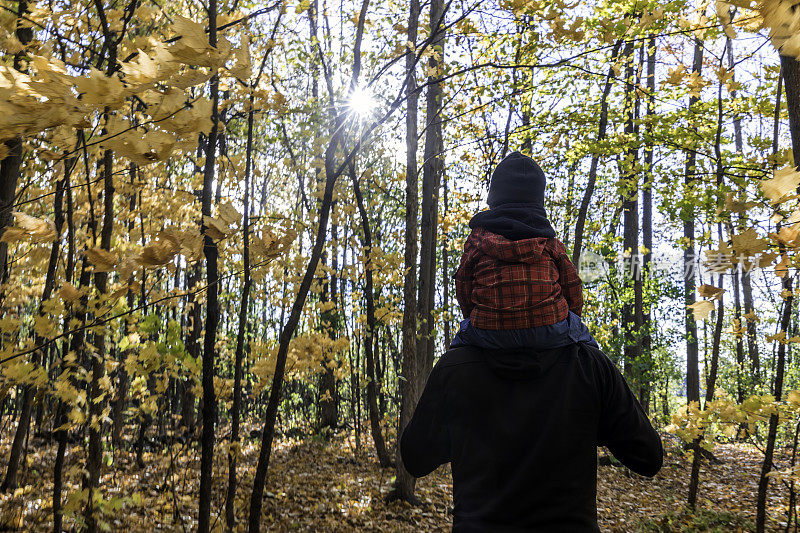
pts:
pixel 209 410
pixel 409 390
pixel 689 257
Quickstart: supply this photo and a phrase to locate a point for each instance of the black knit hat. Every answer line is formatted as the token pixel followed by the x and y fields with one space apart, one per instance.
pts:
pixel 517 180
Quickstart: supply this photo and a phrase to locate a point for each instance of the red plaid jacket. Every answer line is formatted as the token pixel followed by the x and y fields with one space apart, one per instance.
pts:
pixel 504 284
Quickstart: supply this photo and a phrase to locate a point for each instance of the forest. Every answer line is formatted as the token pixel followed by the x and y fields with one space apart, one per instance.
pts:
pixel 229 230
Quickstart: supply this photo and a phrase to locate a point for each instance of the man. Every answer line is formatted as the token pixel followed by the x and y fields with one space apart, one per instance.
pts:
pixel 520 424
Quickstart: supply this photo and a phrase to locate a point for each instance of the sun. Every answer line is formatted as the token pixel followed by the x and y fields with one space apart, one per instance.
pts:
pixel 361 102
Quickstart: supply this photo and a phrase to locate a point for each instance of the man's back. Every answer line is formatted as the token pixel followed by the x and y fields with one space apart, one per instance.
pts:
pixel 521 430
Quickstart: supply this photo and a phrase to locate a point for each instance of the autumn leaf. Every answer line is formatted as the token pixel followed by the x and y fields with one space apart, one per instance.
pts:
pixel 103 260
pixel 748 243
pixel 215 228
pixel 192 34
pixel 141 70
pixel 782 185
pixel 162 251
pixel 782 268
pixel 701 309
pixel 709 291
pixel 69 293
pixel 193 48
pixel 676 75
pixel 29 228
pixel 228 214
pixel 794 397
pixel 242 67
pixel 779 336
pixel 783 22
pixel 142 149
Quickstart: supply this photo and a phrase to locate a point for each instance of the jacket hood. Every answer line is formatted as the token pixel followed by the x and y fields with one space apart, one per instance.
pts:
pixel 496 246
pixel 522 363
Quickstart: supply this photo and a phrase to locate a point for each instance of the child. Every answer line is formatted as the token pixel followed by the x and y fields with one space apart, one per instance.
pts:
pixel 515 284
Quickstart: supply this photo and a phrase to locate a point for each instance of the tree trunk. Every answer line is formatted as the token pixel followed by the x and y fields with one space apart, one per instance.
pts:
pixel 61 408
pixel 432 169
pixel 694 479
pixel 631 310
pixel 96 397
pixel 233 452
pixel 95 423
pixel 268 431
pixel 369 333
pixel 212 299
pixel 737 309
pixel 409 393
pixel 790 70
pixel 77 346
pixel 446 320
pixel 591 180
pixel 647 209
pixel 692 354
pixel 23 424
pixel 118 405
pixel 766 466
pixel 329 400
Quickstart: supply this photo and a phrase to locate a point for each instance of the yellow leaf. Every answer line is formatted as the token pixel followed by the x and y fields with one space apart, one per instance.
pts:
pixel 780 337
pixel 789 235
pixel 30 228
pixel 783 184
pixel 794 398
pixel 782 267
pixel 676 75
pixel 160 252
pixel 229 214
pixel 69 293
pixel 701 309
pixel 242 67
pixel 103 260
pixel 748 243
pixel 141 70
pixel 141 148
pixel 710 291
pixel 190 78
pixel 215 228
pixel 192 34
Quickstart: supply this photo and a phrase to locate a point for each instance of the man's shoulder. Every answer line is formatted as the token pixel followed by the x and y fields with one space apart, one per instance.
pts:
pixel 461 355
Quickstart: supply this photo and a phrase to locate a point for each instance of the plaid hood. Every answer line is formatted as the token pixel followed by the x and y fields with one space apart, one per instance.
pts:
pixel 533 250
pixel 516 284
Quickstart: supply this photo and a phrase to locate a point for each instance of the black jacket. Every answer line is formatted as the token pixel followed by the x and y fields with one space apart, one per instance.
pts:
pixel 521 431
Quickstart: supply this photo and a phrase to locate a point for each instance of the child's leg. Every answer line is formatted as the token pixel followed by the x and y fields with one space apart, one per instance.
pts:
pixel 578 330
pixel 461 337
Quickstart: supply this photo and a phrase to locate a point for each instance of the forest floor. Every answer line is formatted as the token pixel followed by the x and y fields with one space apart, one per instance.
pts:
pixel 323 485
